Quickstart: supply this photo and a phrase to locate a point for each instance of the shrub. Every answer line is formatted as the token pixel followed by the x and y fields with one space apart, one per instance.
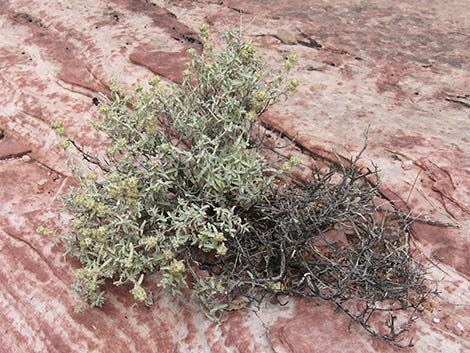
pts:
pixel 184 191
pixel 180 170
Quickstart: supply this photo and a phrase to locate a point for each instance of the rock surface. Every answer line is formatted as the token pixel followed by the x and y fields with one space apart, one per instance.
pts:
pixel 401 67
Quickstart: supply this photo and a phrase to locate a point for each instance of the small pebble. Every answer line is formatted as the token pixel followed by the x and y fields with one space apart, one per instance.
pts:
pixel 42 182
pixel 436 320
pixel 39 188
pixel 460 326
pixel 407 165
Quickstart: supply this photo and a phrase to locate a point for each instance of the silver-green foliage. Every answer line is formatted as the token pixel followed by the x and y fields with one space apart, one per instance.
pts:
pixel 180 168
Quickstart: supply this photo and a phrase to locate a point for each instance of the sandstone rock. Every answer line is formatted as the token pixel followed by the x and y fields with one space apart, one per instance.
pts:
pixel 404 69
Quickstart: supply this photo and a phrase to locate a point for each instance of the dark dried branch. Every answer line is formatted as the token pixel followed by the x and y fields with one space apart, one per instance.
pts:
pixel 328 239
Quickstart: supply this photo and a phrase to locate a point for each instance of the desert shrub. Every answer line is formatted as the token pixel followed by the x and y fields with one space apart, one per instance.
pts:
pixel 179 171
pixel 183 190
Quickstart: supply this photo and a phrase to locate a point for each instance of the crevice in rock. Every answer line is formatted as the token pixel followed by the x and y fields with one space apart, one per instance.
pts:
pixel 166 20
pixel 45 166
pixel 37 252
pixel 308 41
pixel 25 18
pixel 459 99
pixel 31 115
pixel 240 11
pixel 323 155
pixel 83 91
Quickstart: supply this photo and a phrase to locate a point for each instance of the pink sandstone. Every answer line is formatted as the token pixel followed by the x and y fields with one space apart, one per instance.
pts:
pixel 403 67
